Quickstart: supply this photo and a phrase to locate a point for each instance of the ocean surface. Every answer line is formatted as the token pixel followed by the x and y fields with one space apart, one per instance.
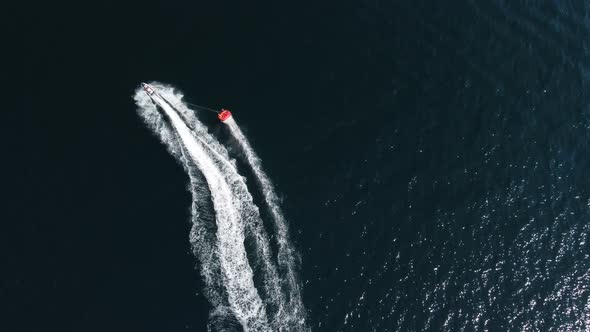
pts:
pixel 431 159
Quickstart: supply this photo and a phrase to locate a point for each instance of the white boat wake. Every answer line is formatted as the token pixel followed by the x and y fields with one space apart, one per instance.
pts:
pixel 287 257
pixel 244 281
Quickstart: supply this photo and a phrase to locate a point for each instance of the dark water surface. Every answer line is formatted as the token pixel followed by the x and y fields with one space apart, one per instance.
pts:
pixel 432 157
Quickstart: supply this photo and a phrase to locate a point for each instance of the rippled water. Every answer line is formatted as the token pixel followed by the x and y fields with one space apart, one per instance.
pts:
pixel 462 202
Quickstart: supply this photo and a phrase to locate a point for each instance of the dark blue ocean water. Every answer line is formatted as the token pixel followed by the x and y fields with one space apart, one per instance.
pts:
pixel 452 195
pixel 432 159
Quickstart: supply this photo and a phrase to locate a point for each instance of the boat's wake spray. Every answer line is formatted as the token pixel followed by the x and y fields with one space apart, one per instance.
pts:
pixel 262 293
pixel 287 257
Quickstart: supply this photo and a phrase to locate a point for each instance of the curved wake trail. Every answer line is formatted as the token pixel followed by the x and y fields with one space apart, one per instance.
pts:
pixel 219 240
pixel 237 273
pixel 286 254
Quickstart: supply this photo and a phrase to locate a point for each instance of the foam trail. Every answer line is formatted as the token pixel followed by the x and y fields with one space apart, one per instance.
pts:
pixel 207 161
pixel 274 299
pixel 286 254
pixel 237 274
pixel 202 236
pixel 262 259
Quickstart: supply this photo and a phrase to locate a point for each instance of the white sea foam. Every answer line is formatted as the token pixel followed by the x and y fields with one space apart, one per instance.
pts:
pixel 286 255
pixel 221 249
